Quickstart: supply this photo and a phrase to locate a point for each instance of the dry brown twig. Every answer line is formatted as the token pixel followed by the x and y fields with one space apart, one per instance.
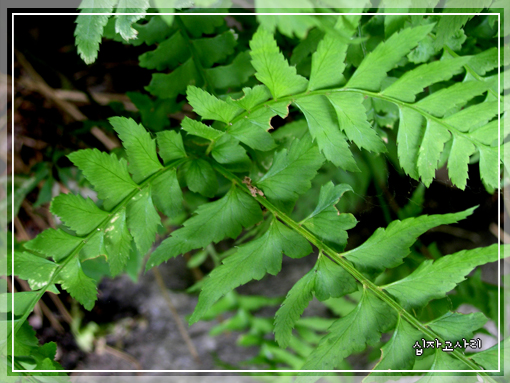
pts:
pixel 37 83
pixel 175 315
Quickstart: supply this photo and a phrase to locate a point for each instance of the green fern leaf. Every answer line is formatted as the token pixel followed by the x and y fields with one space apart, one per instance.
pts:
pixel 291 171
pixel 485 61
pixel 326 280
pixel 169 54
pixel 387 247
pixel 489 166
pixel 458 160
pixel 253 129
pixel 385 56
pixel 35 270
pixel 397 353
pixel 326 222
pixel 323 127
pixel 22 301
pixel 200 25
pixel 413 82
pixel 418 288
pixel 200 177
pixel 123 22
pixel 170 146
pixel 140 147
pixel 409 136
pixel 167 193
pixel 353 121
pixel 272 69
pixel 117 242
pixel 228 151
pixel 213 222
pixel 196 128
pixel 251 261
pixel 455 326
pixel 79 214
pixel 156 30
pixel 168 86
pixel 488 134
pixel 441 102
pixel 352 333
pixel 210 107
pixel 75 282
pixel 252 97
pixel 473 117
pixel 89 28
pixel 231 75
pixel 94 247
pixel 215 49
pixel 448 26
pixel 143 220
pixel 432 144
pixel 489 358
pixel 292 308
pixel 56 244
pixel 328 63
pixel 109 175
pixel 296 25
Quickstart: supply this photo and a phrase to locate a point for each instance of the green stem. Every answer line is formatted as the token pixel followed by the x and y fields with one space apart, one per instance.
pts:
pixel 346 265
pixel 77 249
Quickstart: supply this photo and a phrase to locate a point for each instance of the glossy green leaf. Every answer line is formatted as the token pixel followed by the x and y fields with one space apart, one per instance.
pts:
pixel 210 107
pixel 323 127
pixel 196 128
pixel 168 54
pixel 79 214
pixel 213 222
pixel 35 270
pixel 352 120
pixel 106 173
pixel 56 244
pixel 272 69
pixel 123 22
pixel 172 84
pixel 387 247
pixel 432 280
pixel 431 147
pixel 352 333
pixel 200 177
pixel 140 147
pixel 290 174
pixel 328 63
pixel 117 242
pixel 89 28
pixel 252 130
pixel 444 100
pixel 385 56
pixel 252 97
pixel 398 353
pixel 167 194
pixel 232 75
pixel 143 220
pixel 326 280
pixel 170 146
pixel 251 261
pixel 326 222
pixel 414 82
pixel 76 283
